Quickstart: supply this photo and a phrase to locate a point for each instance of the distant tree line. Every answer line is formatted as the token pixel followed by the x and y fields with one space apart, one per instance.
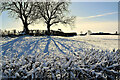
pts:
pixel 14 33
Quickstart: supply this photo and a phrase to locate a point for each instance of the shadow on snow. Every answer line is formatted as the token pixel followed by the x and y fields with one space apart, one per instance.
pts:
pixel 23 47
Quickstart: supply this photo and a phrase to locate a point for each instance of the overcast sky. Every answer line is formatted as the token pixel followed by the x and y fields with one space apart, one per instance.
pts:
pixel 94 16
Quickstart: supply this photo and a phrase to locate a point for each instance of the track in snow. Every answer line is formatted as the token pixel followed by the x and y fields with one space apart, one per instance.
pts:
pixel 50 45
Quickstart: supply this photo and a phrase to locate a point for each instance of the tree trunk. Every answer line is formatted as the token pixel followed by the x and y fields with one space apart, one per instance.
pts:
pixel 25 24
pixel 48 27
pixel 26 30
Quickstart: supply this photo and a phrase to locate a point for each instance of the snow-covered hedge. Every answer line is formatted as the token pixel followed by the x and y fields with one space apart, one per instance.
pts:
pixel 92 64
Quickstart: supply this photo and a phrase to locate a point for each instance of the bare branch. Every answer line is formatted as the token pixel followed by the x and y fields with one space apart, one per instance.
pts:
pixel 23 10
pixel 54 13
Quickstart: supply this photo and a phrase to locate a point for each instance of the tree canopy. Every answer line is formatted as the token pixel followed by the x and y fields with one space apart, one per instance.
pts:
pixel 54 13
pixel 23 10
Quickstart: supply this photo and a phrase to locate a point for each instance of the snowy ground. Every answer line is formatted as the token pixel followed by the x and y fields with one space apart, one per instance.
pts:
pixel 57 45
pixel 89 51
pixel 34 45
pixel 105 42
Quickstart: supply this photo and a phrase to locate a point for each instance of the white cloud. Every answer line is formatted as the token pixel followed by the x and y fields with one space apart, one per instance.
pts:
pixel 100 15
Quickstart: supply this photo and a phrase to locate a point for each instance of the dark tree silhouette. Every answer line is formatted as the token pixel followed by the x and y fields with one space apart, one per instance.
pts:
pixel 54 13
pixel 23 10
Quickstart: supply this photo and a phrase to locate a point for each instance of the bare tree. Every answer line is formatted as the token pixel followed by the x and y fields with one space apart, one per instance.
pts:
pixel 54 13
pixel 23 10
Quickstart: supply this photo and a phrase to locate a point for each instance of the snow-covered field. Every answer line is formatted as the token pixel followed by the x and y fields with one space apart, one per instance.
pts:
pixel 108 42
pixel 82 57
pixel 62 45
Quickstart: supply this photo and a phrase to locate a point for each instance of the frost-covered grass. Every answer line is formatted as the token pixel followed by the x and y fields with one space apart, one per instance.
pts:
pixel 59 58
pixel 92 64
